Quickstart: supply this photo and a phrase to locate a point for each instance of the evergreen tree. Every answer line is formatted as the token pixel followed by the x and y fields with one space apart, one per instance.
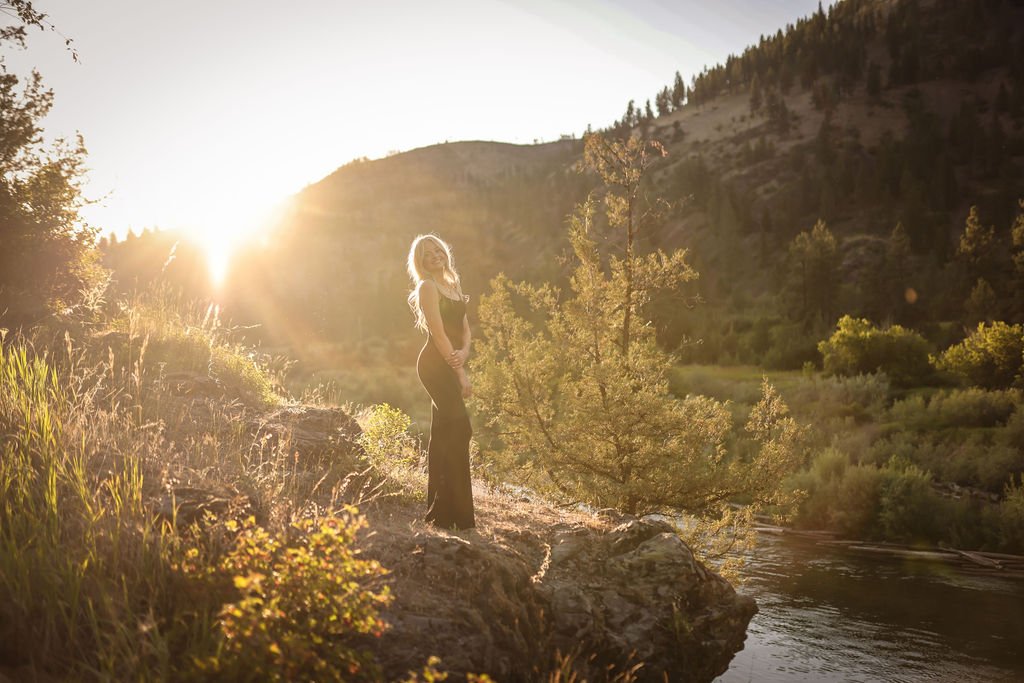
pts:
pixel 977 244
pixel 899 292
pixel 678 92
pixel 1017 240
pixel 630 117
pixel 874 84
pixel 981 306
pixel 663 102
pixel 756 97
pixel 813 261
pixel 578 387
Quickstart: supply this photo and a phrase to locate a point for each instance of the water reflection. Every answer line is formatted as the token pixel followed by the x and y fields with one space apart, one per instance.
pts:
pixel 832 614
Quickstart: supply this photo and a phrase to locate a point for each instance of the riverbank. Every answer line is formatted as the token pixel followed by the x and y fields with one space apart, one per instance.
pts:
pixel 971 561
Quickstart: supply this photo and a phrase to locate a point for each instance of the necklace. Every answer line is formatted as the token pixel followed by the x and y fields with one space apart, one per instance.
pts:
pixel 447 290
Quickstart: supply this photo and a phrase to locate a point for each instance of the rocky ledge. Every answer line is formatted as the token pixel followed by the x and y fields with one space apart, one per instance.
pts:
pixel 613 593
pixel 505 598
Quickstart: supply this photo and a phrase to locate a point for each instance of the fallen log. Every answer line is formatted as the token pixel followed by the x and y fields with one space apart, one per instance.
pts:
pixel 939 555
pixel 978 559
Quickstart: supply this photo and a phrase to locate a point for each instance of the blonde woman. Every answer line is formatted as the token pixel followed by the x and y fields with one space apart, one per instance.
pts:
pixel 439 305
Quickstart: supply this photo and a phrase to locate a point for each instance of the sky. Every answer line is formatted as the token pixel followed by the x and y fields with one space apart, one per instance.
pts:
pixel 205 116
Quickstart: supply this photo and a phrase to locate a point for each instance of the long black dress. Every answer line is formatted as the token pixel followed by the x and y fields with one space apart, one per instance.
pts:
pixel 449 489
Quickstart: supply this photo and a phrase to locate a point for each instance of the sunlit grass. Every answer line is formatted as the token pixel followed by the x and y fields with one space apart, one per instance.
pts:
pixel 104 440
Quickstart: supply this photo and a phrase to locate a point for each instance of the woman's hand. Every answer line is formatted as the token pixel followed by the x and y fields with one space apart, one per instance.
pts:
pixel 458 357
pixel 467 388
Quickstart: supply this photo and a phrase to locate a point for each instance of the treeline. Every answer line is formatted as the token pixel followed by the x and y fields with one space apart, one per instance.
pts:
pixel 828 52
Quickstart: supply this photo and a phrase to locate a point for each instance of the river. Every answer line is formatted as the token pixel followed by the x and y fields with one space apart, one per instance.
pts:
pixel 834 615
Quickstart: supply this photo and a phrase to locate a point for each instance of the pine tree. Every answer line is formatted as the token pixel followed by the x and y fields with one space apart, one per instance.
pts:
pixel 981 306
pixel 813 261
pixel 756 97
pixel 577 388
pixel 1017 256
pixel 976 242
pixel 630 117
pixel 874 84
pixel 897 269
pixel 663 102
pixel 678 92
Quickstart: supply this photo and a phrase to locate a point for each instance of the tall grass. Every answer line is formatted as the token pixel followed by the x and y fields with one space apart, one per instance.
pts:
pixel 81 557
pixel 99 437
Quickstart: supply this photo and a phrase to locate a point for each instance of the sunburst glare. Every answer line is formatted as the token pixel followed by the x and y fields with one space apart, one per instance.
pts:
pixel 220 228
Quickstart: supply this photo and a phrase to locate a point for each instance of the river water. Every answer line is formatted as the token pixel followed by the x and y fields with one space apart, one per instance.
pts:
pixel 835 615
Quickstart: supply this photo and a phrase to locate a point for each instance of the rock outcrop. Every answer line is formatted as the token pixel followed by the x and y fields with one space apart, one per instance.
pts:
pixel 612 595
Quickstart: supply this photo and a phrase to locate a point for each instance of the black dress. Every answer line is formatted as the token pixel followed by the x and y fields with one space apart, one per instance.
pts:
pixel 449 489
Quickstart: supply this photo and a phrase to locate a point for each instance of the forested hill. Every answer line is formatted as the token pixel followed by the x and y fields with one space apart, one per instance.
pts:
pixel 869 115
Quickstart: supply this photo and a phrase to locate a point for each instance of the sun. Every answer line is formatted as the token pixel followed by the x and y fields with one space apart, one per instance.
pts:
pixel 221 227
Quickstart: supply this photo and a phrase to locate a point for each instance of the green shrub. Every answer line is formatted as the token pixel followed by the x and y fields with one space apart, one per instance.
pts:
pixel 908 505
pixel 386 439
pixel 858 347
pixel 791 347
pixel 1012 434
pixel 991 356
pixel 856 503
pixel 839 496
pixel 1011 517
pixel 861 397
pixel 300 606
pixel 971 407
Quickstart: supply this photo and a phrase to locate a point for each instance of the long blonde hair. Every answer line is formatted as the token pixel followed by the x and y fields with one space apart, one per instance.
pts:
pixel 418 273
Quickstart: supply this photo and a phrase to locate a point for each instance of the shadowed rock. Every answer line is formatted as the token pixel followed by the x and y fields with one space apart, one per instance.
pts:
pixel 631 594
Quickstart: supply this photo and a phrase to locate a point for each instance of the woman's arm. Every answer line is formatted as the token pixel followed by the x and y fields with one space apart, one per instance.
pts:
pixel 460 356
pixel 431 307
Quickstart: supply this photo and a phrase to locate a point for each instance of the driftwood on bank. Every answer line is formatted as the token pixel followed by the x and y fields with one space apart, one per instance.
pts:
pixel 970 561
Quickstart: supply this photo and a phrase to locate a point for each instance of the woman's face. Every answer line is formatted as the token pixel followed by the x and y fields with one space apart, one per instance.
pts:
pixel 434 257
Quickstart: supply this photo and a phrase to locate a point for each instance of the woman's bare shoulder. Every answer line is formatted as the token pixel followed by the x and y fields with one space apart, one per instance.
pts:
pixel 427 288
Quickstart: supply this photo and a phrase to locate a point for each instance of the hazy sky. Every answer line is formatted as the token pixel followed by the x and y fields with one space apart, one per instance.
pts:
pixel 201 115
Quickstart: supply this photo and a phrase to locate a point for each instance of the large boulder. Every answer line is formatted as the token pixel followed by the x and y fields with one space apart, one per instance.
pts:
pixel 613 596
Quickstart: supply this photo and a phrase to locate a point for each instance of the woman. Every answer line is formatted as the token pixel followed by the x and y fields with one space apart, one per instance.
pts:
pixel 440 309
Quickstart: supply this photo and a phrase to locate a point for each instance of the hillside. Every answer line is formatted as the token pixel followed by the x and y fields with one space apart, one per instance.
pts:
pixel 873 114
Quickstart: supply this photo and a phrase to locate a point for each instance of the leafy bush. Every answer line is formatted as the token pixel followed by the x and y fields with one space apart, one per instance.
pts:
pixel 858 347
pixel 791 348
pixel 1012 434
pixel 839 496
pixel 1011 517
pixel 821 398
pixel 300 604
pixel 386 439
pixel 908 506
pixel 971 407
pixel 990 357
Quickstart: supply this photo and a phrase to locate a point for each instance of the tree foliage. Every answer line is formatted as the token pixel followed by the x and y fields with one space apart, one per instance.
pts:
pixel 990 357
pixel 576 386
pixel 813 261
pixel 858 347
pixel 46 252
